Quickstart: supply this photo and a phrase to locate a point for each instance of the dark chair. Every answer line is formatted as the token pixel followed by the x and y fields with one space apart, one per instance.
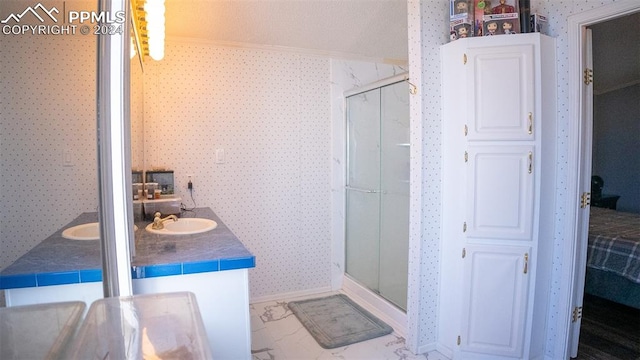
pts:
pixel 596 187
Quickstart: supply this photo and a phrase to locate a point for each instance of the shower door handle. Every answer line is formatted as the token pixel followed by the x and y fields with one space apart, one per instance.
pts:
pixel 368 191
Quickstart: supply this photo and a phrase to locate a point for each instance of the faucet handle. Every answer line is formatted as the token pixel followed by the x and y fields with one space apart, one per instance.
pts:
pixel 157 214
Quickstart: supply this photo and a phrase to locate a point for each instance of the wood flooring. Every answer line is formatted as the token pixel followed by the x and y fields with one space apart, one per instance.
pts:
pixel 609 331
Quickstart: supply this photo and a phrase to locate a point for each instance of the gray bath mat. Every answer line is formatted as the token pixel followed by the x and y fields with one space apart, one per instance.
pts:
pixel 336 321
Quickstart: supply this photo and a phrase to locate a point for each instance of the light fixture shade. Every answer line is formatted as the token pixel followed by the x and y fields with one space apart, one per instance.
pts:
pixel 150 23
pixel 156 49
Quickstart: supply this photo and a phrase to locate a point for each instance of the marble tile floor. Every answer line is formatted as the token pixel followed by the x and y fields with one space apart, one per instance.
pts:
pixel 278 335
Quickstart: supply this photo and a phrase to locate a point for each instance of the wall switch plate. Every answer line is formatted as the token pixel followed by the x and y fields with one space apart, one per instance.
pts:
pixel 220 156
pixel 67 157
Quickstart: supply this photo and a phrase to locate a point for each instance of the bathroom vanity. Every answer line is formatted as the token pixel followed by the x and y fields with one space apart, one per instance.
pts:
pixel 213 265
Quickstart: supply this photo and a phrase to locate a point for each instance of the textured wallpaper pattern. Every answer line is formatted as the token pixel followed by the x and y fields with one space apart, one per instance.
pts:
pixel 137 114
pixel 415 339
pixel 425 297
pixel 269 112
pixel 47 107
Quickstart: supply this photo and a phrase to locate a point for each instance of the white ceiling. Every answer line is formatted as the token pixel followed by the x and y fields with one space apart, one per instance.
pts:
pixel 369 29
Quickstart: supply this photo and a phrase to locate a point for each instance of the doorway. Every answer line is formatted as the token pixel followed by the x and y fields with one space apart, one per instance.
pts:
pixel 581 136
pixel 610 325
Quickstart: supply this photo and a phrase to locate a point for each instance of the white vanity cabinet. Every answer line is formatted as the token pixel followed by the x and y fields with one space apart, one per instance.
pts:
pixel 499 159
pixel 222 298
pixel 212 265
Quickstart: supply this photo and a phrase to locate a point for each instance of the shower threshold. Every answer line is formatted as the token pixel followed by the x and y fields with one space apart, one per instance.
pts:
pixel 376 304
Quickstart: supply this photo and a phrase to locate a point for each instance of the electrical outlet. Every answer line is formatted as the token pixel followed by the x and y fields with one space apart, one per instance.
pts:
pixel 190 182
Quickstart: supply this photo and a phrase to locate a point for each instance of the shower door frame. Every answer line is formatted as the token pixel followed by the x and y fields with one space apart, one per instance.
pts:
pixel 391 312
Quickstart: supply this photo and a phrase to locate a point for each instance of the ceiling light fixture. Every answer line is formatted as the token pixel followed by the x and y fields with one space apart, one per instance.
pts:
pixel 149 23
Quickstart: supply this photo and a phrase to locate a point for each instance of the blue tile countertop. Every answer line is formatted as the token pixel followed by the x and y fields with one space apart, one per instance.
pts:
pixel 59 261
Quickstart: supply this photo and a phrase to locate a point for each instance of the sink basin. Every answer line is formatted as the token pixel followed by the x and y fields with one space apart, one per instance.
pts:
pixel 184 226
pixel 90 231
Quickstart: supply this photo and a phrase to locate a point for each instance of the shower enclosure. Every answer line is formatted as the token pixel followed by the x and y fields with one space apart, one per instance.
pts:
pixel 377 189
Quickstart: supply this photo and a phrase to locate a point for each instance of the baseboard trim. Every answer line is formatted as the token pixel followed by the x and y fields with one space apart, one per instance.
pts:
pixel 443 350
pixel 379 307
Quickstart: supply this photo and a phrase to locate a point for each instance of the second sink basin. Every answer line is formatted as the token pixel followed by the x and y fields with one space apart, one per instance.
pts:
pixel 184 226
pixel 89 231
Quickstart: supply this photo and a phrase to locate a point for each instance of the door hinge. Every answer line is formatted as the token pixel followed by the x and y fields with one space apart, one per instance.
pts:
pixel 530 162
pixel 466 129
pixel 464 252
pixel 585 199
pixel 459 340
pixel 466 156
pixel 464 227
pixel 464 59
pixel 526 262
pixel 588 76
pixel 576 314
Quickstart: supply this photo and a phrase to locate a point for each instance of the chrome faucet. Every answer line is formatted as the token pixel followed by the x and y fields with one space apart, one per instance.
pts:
pixel 158 221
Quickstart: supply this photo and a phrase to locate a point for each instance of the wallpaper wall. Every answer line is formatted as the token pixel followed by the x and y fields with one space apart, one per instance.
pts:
pixel 47 96
pixel 414 290
pixel 279 118
pixel 269 113
pixel 424 254
pixel 137 114
pixel 47 102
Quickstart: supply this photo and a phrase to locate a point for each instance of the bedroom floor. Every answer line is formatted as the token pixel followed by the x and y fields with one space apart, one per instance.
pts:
pixel 609 331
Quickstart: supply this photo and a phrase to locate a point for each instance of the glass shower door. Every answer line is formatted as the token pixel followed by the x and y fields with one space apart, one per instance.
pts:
pixel 377 217
pixel 394 201
pixel 363 188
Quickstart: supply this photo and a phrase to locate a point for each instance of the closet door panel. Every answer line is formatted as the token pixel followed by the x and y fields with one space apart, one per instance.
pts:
pixel 495 299
pixel 501 88
pixel 500 192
